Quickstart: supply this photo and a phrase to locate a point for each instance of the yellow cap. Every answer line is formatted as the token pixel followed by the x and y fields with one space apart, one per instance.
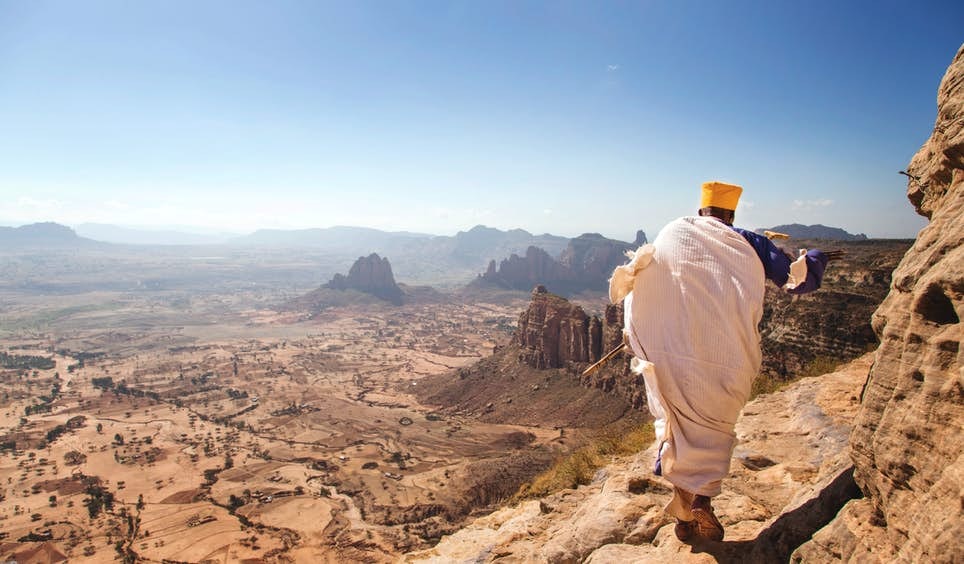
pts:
pixel 720 195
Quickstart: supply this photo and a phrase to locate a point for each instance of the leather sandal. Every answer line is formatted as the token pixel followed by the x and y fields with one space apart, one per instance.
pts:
pixel 706 524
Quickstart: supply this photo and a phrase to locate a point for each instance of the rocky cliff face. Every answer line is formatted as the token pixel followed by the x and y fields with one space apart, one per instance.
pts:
pixel 554 333
pixel 907 441
pixel 372 275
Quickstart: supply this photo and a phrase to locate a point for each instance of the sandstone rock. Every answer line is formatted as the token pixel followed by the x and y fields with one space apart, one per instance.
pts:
pixel 553 332
pixel 907 441
pixel 852 536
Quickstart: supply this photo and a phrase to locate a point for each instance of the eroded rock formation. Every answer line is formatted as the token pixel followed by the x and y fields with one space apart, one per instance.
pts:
pixel 907 441
pixel 556 333
pixel 372 275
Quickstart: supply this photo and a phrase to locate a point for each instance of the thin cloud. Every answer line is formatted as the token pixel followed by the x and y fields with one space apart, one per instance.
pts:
pixel 806 205
pixel 116 205
pixel 612 68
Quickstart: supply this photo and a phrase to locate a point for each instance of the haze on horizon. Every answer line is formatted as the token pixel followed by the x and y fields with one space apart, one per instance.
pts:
pixel 559 118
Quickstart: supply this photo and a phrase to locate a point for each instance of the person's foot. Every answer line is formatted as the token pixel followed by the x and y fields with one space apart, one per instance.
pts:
pixel 705 523
pixel 684 529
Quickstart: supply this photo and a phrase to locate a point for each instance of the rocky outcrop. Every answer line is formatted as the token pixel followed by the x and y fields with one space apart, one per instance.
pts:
pixel 798 231
pixel 907 440
pixel 789 476
pixel 555 333
pixel 585 264
pixel 371 275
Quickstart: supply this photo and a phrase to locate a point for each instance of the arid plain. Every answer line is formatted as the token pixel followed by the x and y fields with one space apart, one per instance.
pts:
pixel 184 419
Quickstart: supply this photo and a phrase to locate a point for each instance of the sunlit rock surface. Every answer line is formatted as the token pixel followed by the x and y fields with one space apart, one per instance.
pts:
pixel 789 475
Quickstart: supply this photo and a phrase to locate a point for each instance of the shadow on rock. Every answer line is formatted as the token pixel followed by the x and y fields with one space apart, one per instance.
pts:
pixel 794 527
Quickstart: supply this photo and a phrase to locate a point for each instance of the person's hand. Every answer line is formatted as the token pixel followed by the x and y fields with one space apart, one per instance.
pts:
pixel 834 255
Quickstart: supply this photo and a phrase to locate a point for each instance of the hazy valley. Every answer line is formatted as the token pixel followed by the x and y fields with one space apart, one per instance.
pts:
pixel 226 402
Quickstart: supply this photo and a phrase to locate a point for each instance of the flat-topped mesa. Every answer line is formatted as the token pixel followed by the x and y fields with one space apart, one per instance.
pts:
pixel 372 275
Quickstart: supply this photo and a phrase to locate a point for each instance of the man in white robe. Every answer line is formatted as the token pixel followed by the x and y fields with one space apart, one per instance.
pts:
pixel 691 320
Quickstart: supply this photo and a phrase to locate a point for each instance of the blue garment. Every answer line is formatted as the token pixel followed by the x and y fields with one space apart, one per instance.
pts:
pixel 776 263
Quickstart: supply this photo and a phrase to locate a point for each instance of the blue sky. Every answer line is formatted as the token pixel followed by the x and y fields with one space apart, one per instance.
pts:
pixel 562 117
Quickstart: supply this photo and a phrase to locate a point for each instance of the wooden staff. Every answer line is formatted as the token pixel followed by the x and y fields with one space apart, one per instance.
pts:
pixel 604 360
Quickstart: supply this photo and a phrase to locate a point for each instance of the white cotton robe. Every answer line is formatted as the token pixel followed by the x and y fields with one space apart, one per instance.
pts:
pixel 693 313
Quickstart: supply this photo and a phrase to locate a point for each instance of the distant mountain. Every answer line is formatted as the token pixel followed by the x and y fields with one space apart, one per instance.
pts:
pixel 132 236
pixel 586 263
pixel 487 243
pixel 369 282
pixel 798 231
pixel 42 235
pixel 478 243
pixel 417 258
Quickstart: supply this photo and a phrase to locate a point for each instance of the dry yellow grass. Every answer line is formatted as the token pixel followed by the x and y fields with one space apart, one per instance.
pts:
pixel 578 467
